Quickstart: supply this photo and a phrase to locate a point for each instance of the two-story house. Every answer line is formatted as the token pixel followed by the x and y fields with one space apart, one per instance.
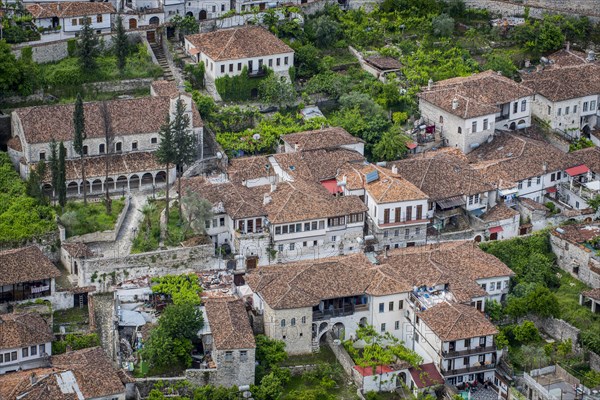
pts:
pixel 26 274
pixel 230 51
pixel 134 131
pixel 397 209
pixel 25 342
pixel 567 93
pixel 334 137
pixel 455 189
pixel 583 179
pixel 64 20
pixel 468 110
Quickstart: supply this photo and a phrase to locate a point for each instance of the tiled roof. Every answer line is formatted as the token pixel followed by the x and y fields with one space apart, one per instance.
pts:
pixel 443 174
pixel 235 199
pixel 590 157
pixel 321 138
pixel 249 168
pixel 592 294
pixel 512 158
pixel 165 88
pixel 426 375
pixel 532 204
pixel 565 83
pixel 296 201
pixel 457 321
pixel 78 250
pixel 22 330
pixel 229 324
pixel 498 213
pixel 477 95
pixel 566 58
pixel 41 124
pixel 25 264
pixel 306 283
pixel 316 165
pixel 18 383
pixel 236 43
pixel 383 63
pixel 15 144
pixel 388 188
pixel 579 233
pixel 68 9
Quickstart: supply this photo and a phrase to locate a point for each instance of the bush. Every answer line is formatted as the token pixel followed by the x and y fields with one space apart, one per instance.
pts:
pixel 80 219
pixel 71 47
pixel 75 342
pixel 526 333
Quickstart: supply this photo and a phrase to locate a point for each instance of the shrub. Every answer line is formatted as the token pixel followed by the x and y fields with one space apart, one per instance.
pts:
pixel 27 54
pixel 71 47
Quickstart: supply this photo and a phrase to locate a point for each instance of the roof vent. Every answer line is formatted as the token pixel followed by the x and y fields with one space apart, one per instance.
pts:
pixel 429 84
pixel 394 169
pixel 454 103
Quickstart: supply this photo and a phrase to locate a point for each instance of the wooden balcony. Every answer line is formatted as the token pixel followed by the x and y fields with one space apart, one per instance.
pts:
pixel 466 352
pixel 469 370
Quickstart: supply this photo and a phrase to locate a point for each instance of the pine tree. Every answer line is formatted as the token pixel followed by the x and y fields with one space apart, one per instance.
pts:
pixel 78 138
pixel 165 154
pixel 54 166
pixel 61 187
pixel 185 151
pixel 121 44
pixel 87 46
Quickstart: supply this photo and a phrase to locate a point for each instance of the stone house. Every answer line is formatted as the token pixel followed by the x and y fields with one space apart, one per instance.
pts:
pixel 468 110
pixel 200 9
pixel 567 93
pixel 575 254
pixel 229 340
pixel 499 222
pixel 86 374
pixel 25 342
pixel 73 254
pixel 26 274
pixel 591 299
pixel 229 51
pixel 135 133
pixel 334 137
pixel 64 19
pixel 583 182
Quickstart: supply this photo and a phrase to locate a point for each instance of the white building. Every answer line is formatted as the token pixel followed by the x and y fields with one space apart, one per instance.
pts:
pixel 26 342
pixel 230 51
pixel 567 94
pixel 468 110
pixel 63 20
pixel 324 138
pixel 582 180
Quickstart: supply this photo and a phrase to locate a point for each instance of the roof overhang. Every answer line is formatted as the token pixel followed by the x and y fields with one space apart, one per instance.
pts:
pixel 496 229
pixel 578 170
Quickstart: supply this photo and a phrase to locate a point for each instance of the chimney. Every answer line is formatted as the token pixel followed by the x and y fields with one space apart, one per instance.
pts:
pixel 394 169
pixel 499 73
pixel 33 378
pixel 296 146
pixel 58 6
pixel 568 46
pixel 591 56
pixel 429 84
pixel 266 199
pixel 273 187
pixel 454 103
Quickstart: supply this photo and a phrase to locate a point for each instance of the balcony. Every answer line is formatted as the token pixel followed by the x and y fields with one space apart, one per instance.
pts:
pixel 257 73
pixel 466 352
pixel 469 370
pixel 579 189
pixel 347 309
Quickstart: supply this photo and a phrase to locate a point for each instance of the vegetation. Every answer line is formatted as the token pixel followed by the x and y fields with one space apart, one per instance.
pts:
pixel 87 46
pixel 16 76
pixel 79 134
pixel 581 143
pixel 80 218
pixel 240 87
pixel 21 217
pixel 121 44
pixel 179 288
pixel 75 342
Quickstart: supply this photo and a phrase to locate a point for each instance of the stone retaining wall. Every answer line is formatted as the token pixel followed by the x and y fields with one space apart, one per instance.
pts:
pixel 104 236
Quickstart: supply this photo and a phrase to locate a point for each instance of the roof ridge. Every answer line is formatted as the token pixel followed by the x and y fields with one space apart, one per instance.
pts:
pixel 231 37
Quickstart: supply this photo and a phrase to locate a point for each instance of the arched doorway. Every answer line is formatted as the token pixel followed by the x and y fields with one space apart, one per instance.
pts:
pixel 97 186
pixel 47 189
pixel 478 238
pixel 134 182
pixel 147 179
pixel 401 380
pixel 122 182
pixel 72 189
pixel 132 23
pixel 154 21
pixel 521 124
pixel 512 126
pixel 363 322
pixel 202 15
pixel 161 177
pixel 110 183
pixel 189 14
pixel 339 331
pixel 585 131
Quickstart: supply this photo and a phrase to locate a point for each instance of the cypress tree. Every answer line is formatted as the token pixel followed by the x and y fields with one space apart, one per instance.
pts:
pixel 61 188
pixel 185 151
pixel 54 166
pixel 87 46
pixel 165 154
pixel 121 44
pixel 78 138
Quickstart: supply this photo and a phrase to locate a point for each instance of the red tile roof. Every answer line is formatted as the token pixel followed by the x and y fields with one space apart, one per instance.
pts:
pixel 66 9
pixel 580 169
pixel 21 330
pixel 426 376
pixel 25 264
pixel 229 324
pixel 370 371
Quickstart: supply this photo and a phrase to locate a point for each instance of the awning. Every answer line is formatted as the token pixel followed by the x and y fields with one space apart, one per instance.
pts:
pixel 551 190
pixel 580 169
pixel 496 229
pixel 451 202
pixel 332 186
pixel 411 145
pixel 194 51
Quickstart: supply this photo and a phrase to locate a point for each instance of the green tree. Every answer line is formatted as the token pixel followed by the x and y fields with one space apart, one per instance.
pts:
pixel 185 149
pixel 87 46
pixel 494 310
pixel 526 332
pixel 456 8
pixel 502 63
pixel 443 25
pixel 9 68
pixel 324 30
pixel 185 25
pixel 61 188
pixel 277 90
pixel 121 44
pixel 391 146
pixel 79 137
pixel 166 154
pixel 53 161
pixel 594 203
pixel 35 181
pixel 184 288
pixel 198 211
pixel 269 353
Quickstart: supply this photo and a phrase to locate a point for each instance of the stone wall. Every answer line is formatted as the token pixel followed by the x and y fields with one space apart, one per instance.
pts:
pixel 594 361
pixel 104 236
pixel 539 7
pixel 49 243
pixel 145 385
pixel 103 272
pixel 557 328
pixel 342 356
pixel 128 85
pixel 104 317
pixel 577 260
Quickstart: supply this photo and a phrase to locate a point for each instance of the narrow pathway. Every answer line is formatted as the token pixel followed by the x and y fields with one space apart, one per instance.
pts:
pixel 162 61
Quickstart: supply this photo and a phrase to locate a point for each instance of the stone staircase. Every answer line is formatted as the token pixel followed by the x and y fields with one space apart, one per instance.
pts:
pixel 162 61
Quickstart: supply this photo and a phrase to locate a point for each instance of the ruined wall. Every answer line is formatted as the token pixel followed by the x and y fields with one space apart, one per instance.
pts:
pixel 537 8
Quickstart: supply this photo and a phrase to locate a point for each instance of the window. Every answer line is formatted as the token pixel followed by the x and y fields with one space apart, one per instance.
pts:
pixel 418 230
pixel 575 109
pixel 336 221
pixel 474 127
pixel 382 327
pixel 315 243
pixel 270 62
pixel 25 352
pixel 505 284
pixel 229 356
pixel 481 358
pixel 397 232
pixel 386 234
pixel 483 286
pixel 485 124
pixel 409 213
pixel 355 217
pixel 99 18
pixel 538 180
pixel 222 7
pixel 74 22
pixel 292 228
pixel 585 106
pixel 42 349
pixel 222 221
pixel 231 67
pixel 1 358
pixel 576 204
pixel 558 175
pixel 482 341
pixel 406 233
pixel 567 110
pixel 292 246
pixel 466 361
pixel 207 224
pixel 223 68
pixel 286 60
pixel 397 325
pixel 280 248
pixel 523 105
pixel 42 155
pixel 529 182
pixel 283 323
pixel 592 105
pixel 239 66
pixel 515 107
pixel 293 322
pixel 134 146
pixel 400 304
pixel 334 238
pixel 85 150
pixel 467 343
pixel 460 378
pixel 304 244
pixel 559 111
pixel 214 8
pixel 33 350
pixel 391 306
pixel 314 226
pixel 284 229
pixel 549 110
pixel 243 355
pixel 552 177
pixel 118 146
pixel 278 61
pixel 303 320
pixel 459 130
pixel 419 211
pixel 381 307
pixel 321 224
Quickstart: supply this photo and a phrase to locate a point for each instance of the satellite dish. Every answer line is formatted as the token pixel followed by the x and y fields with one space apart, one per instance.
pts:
pixel 219 155
pixel 256 136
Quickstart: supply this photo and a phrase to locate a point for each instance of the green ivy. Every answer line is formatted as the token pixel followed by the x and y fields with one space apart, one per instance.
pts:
pixel 239 87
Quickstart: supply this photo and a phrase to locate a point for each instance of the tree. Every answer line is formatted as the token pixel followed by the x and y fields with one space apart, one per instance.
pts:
pixel 61 188
pixel 443 25
pixel 594 203
pixel 324 30
pixel 165 154
pixel 277 90
pixel 147 210
pixel 391 146
pixel 456 8
pixel 198 210
pixel 181 289
pixel 108 139
pixel 502 63
pixel 121 44
pixel 35 181
pixel 9 68
pixel 494 310
pixel 186 25
pixel 87 46
pixel 526 332
pixel 269 353
pixel 78 138
pixel 185 149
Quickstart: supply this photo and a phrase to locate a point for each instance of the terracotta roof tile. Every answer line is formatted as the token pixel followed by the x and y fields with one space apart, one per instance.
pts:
pixel 457 321
pixel 78 250
pixel 69 9
pixel 564 83
pixel 165 88
pixel 249 168
pixel 15 144
pixel 316 165
pixel 384 63
pixel 579 233
pixel 25 264
pixel 241 42
pixel 22 330
pixel 498 213
pixel 532 204
pixel 229 324
pixel 590 157
pixel 592 294
pixel 321 138
pixel 566 58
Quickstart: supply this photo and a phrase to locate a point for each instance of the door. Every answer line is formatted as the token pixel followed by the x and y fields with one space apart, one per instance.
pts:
pixel 151 36
pixel 251 263
pixel 132 23
pixel 386 216
pixel 494 236
pixel 202 15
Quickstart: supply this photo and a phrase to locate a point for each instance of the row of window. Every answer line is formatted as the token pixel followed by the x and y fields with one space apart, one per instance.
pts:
pixel 292 322
pixel 494 286
pixel 215 223
pixel 386 233
pixel 243 355
pixel 391 306
pixel 102 148
pixel 81 21
pixel 408 215
pixel 474 199
pixel 231 66
pixel 516 106
pixel 292 246
pixel 25 352
pixel 559 112
pixel 383 328
pixel 316 225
